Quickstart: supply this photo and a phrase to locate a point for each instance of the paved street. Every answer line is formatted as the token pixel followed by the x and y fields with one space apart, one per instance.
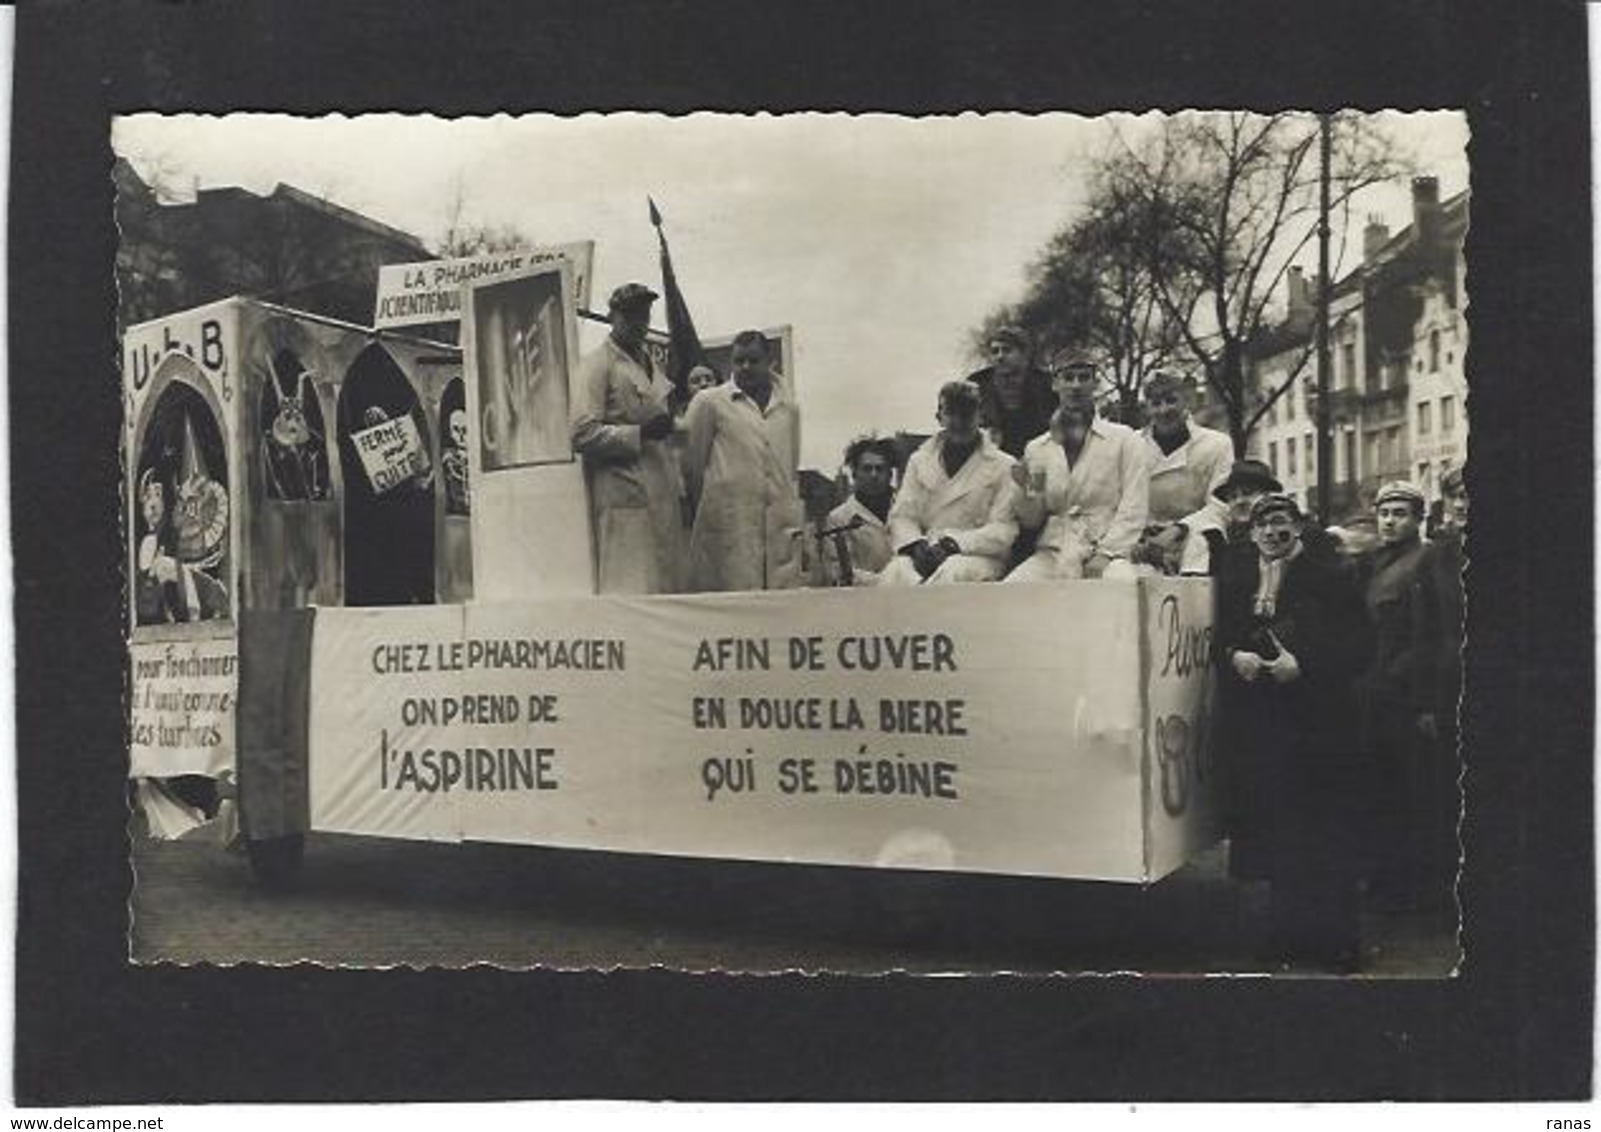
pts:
pixel 369 902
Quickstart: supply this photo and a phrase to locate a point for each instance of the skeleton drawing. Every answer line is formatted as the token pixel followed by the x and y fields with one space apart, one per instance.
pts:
pixel 458 492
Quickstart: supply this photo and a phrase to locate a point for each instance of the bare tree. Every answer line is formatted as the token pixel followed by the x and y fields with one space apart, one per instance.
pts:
pixel 464 237
pixel 1225 204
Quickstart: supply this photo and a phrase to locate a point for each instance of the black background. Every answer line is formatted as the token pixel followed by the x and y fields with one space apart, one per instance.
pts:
pixel 1516 1024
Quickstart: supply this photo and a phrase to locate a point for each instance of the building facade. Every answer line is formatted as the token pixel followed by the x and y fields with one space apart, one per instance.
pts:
pixel 1397 342
pixel 288 247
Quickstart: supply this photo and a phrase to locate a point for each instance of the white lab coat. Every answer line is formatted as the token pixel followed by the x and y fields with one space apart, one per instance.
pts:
pixel 975 508
pixel 1102 501
pixel 1182 480
pixel 868 544
pixel 740 463
pixel 635 487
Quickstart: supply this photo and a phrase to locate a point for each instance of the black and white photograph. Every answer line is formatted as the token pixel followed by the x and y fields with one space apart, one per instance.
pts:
pixel 963 553
pixel 1123 578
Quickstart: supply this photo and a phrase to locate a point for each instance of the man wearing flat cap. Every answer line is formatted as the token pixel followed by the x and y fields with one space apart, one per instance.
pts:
pixel 1290 639
pixel 1188 462
pixel 620 427
pixel 1437 692
pixel 1015 396
pixel 1389 580
pixel 953 518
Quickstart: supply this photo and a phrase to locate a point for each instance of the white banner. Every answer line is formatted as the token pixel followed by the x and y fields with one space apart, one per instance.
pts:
pixel 991 729
pixel 391 453
pixel 183 708
pixel 410 294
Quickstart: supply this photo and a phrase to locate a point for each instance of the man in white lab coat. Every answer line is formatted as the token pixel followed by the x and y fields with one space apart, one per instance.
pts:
pixel 864 517
pixel 953 519
pixel 740 463
pixel 1088 481
pixel 1188 463
pixel 620 426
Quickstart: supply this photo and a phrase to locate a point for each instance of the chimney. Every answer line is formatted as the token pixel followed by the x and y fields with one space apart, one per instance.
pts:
pixel 1374 237
pixel 1426 208
pixel 1299 302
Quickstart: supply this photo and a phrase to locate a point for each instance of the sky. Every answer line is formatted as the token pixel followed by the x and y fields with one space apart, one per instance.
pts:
pixel 881 239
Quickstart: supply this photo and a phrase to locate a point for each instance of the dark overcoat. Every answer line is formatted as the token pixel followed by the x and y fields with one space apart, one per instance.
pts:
pixel 1297 783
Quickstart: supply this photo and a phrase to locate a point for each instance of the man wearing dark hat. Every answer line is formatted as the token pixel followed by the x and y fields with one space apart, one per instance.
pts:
pixel 1389 581
pixel 1437 691
pixel 620 425
pixel 1015 397
pixel 1290 639
pixel 1228 524
pixel 953 519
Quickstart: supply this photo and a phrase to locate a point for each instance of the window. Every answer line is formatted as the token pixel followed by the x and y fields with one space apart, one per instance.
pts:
pixel 1289 401
pixel 1311 449
pixel 1348 365
pixel 1423 476
pixel 1424 418
pixel 1447 415
pixel 1392 447
pixel 1370 453
pixel 1434 351
pixel 1273 457
pixel 1289 457
pixel 1350 456
pixel 1272 410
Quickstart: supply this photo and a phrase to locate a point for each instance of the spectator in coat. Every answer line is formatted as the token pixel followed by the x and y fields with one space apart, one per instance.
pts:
pixel 1437 691
pixel 952 520
pixel 741 466
pixel 1290 640
pixel 621 423
pixel 1389 580
pixel 1088 481
pixel 871 460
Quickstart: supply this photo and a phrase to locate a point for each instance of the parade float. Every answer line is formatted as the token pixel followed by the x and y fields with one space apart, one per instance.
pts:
pixel 363 585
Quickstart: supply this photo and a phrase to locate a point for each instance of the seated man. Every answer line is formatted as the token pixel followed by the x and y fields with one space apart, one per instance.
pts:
pixel 953 518
pixel 863 519
pixel 1088 481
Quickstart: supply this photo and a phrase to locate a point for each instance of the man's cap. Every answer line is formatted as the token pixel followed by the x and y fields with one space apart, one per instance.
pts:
pixel 1010 334
pixel 1071 358
pixel 959 395
pixel 1275 502
pixel 1162 382
pixel 1400 490
pixel 631 295
pixel 1253 475
pixel 1452 482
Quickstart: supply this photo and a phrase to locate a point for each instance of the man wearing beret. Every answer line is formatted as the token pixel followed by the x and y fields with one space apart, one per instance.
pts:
pixel 1389 580
pixel 1437 690
pixel 1290 639
pixel 620 427
pixel 953 518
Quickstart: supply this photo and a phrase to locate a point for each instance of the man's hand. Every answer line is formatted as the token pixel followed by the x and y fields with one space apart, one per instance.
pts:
pixel 1284 668
pixel 1429 726
pixel 1095 565
pixel 1247 665
pixel 657 428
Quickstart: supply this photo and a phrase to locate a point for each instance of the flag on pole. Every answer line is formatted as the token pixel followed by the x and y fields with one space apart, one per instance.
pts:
pixel 685 348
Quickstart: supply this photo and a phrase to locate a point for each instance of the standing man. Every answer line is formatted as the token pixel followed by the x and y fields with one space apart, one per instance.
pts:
pixel 1290 640
pixel 953 519
pixel 1087 480
pixel 1015 397
pixel 620 425
pixel 1438 692
pixel 740 463
pixel 1389 579
pixel 871 460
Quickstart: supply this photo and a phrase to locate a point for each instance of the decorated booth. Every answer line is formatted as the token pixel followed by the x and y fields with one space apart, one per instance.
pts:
pixel 364 578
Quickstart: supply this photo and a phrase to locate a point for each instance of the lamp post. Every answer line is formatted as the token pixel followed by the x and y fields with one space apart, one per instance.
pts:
pixel 1325 425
